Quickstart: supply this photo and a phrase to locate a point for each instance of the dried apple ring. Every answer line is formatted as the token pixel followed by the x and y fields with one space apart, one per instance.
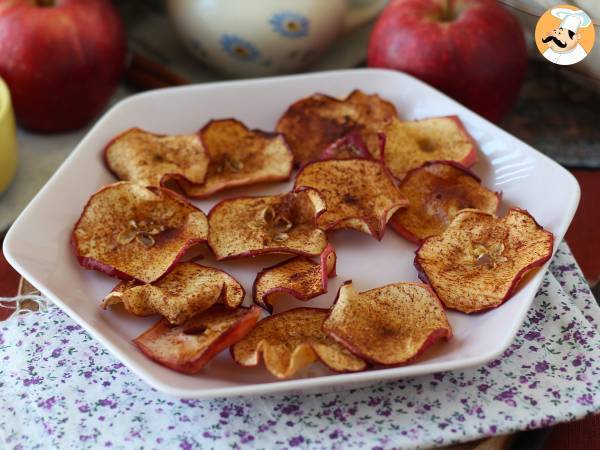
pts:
pixel 408 144
pixel 240 157
pixel 436 191
pixel 188 347
pixel 389 325
pixel 151 159
pixel 184 292
pixel 292 340
pixel 359 194
pixel 133 232
pixel 300 277
pixel 313 123
pixel 249 226
pixel 479 260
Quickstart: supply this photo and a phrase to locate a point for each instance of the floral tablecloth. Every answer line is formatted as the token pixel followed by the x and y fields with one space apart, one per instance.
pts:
pixel 60 389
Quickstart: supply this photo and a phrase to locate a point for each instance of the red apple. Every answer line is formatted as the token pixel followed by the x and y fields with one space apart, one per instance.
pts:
pixel 62 59
pixel 473 50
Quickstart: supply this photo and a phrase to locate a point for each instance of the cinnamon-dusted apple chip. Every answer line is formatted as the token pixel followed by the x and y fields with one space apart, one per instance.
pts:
pixel 249 226
pixel 240 157
pixel 479 260
pixel 292 340
pixel 311 124
pixel 388 325
pixel 151 159
pixel 347 147
pixel 359 194
pixel 188 347
pixel 184 292
pixel 409 144
pixel 300 277
pixel 436 191
pixel 133 232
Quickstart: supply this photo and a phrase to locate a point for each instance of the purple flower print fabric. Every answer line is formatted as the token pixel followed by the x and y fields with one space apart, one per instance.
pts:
pixel 60 389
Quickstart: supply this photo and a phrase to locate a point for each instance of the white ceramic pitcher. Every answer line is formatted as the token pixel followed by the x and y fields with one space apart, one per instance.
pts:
pixel 245 38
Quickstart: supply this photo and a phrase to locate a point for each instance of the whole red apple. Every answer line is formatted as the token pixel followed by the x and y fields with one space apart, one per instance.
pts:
pixel 473 50
pixel 61 59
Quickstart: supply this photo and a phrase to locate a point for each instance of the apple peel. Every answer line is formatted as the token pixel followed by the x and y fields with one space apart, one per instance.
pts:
pixel 292 340
pixel 300 277
pixel 359 194
pixel 313 123
pixel 187 290
pixel 240 157
pixel 478 261
pixel 409 144
pixel 436 192
pixel 250 226
pixel 349 146
pixel 152 159
pixel 389 325
pixel 133 232
pixel 188 347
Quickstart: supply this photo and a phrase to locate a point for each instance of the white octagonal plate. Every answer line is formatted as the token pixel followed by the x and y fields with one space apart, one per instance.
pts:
pixel 37 245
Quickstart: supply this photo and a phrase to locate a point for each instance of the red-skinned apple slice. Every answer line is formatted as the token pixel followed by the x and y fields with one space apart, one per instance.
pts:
pixel 240 157
pixel 389 325
pixel 479 260
pixel 187 290
pixel 313 123
pixel 300 277
pixel 359 194
pixel 151 159
pixel 349 146
pixel 188 347
pixel 250 226
pixel 291 340
pixel 436 191
pixel 409 144
pixel 133 232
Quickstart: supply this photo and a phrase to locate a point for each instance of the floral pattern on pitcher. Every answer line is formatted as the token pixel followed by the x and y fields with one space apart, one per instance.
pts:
pixel 290 24
pixel 239 48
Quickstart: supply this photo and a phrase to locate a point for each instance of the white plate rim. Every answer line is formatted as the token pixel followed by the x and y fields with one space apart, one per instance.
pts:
pixel 275 386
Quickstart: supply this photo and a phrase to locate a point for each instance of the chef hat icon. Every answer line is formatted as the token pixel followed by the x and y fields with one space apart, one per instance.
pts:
pixel 571 19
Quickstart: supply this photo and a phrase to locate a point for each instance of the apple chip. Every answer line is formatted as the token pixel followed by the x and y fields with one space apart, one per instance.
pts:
pixel 292 340
pixel 300 277
pixel 133 232
pixel 479 260
pixel 240 157
pixel 436 191
pixel 313 123
pixel 250 226
pixel 184 292
pixel 389 325
pixel 151 159
pixel 409 144
pixel 359 194
pixel 188 347
pixel 347 147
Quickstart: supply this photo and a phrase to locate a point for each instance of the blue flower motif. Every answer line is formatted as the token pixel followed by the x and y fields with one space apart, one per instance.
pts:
pixel 290 24
pixel 239 48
